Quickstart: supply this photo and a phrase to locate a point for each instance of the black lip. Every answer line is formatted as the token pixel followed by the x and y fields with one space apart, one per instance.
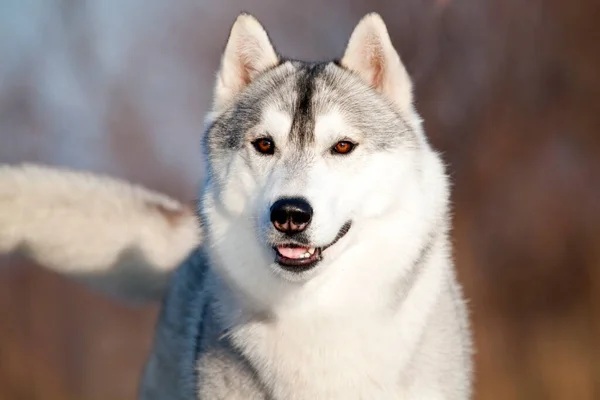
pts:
pixel 305 264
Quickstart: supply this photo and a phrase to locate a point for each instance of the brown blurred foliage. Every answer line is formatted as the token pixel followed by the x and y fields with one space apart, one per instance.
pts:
pixel 510 94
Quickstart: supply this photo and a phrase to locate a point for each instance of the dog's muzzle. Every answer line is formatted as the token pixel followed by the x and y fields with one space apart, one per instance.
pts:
pixel 295 257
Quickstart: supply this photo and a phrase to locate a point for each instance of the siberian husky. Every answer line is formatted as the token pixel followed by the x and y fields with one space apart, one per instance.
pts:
pixel 324 267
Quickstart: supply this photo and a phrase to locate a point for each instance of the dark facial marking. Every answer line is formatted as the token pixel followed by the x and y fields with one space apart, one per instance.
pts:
pixel 303 124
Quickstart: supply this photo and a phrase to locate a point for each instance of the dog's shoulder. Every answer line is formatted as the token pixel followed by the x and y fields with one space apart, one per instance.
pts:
pixel 171 365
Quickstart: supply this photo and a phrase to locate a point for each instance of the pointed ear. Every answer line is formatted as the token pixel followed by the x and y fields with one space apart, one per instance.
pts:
pixel 372 56
pixel 248 53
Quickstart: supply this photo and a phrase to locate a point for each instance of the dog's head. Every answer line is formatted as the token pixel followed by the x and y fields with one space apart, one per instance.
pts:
pixel 300 154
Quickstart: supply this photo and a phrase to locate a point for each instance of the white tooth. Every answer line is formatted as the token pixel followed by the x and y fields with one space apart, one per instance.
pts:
pixel 311 251
pixel 306 255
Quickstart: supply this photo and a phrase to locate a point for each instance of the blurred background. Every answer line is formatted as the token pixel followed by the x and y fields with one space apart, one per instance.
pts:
pixel 510 94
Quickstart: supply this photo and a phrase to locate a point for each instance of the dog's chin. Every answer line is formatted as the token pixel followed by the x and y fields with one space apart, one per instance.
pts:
pixel 297 259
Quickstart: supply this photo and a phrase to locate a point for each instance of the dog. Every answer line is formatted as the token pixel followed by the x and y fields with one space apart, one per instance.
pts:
pixel 320 266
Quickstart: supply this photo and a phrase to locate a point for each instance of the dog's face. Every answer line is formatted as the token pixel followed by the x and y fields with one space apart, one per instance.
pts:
pixel 299 154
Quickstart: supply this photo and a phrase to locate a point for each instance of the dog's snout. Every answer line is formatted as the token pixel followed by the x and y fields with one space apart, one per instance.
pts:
pixel 291 215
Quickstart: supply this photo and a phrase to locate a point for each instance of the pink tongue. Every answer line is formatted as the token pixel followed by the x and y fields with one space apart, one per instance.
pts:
pixel 292 252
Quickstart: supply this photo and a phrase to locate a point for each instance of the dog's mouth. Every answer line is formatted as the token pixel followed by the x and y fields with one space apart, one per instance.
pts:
pixel 298 258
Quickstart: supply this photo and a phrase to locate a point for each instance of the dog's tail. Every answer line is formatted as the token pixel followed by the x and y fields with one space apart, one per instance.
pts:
pixel 117 237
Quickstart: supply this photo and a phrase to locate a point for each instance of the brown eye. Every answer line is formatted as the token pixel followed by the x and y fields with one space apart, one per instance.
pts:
pixel 343 147
pixel 264 146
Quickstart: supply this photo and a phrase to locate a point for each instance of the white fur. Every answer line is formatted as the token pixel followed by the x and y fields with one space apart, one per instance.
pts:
pixel 122 238
pixel 338 336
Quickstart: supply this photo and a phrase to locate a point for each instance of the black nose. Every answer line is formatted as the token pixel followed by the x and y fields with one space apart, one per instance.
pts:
pixel 291 215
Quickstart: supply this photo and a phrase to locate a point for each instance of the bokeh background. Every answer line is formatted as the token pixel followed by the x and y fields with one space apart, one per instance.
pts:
pixel 510 93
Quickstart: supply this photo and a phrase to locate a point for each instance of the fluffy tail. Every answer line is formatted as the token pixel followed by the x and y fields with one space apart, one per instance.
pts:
pixel 117 237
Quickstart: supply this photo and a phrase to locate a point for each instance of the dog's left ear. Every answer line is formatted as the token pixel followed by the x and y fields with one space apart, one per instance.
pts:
pixel 248 53
pixel 372 56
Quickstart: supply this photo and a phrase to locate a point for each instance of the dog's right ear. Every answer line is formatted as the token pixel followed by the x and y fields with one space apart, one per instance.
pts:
pixel 248 53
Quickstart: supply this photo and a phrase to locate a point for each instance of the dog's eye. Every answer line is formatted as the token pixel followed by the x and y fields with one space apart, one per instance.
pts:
pixel 264 146
pixel 343 147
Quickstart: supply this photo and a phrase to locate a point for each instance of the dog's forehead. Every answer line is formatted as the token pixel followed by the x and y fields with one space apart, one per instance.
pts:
pixel 313 101
pixel 277 123
pixel 302 100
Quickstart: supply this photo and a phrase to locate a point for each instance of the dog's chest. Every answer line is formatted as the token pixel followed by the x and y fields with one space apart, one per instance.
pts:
pixel 309 358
